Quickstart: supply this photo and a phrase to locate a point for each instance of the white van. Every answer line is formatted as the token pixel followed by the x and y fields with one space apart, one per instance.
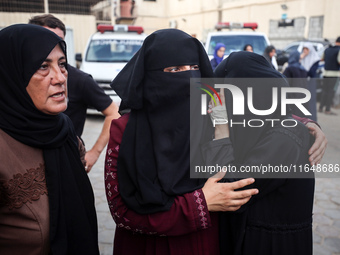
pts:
pixel 108 51
pixel 236 40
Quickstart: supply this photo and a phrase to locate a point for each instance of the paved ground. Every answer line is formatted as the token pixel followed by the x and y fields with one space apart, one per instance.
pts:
pixel 106 224
pixel 327 195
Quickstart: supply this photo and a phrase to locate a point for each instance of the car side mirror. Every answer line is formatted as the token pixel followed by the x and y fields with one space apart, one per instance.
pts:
pixel 79 57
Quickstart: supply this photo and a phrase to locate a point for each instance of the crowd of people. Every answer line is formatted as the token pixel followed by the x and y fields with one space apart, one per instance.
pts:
pixel 46 200
pixel 303 69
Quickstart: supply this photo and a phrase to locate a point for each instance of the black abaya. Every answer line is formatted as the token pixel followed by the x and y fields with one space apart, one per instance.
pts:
pixel 279 219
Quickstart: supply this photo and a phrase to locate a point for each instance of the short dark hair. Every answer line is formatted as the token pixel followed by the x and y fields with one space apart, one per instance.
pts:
pixel 246 46
pixel 338 40
pixel 48 20
pixel 269 49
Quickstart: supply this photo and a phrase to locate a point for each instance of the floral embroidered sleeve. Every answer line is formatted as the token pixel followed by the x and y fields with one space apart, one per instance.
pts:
pixel 188 213
pixel 303 120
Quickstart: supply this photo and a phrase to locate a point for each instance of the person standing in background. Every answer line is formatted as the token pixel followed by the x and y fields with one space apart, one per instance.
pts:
pixel 310 61
pixel 218 55
pixel 269 54
pixel 331 75
pixel 297 77
pixel 83 92
pixel 248 47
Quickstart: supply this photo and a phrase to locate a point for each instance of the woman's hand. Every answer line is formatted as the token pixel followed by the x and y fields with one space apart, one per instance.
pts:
pixel 318 149
pixel 219 112
pixel 223 197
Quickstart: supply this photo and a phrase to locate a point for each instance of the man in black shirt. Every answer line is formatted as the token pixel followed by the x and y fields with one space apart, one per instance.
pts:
pixel 83 91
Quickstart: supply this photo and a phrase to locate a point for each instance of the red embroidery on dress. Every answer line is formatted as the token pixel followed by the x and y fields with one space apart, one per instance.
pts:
pixel 23 188
pixel 200 208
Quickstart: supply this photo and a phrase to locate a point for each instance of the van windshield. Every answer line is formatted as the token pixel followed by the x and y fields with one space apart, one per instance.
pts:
pixel 112 50
pixel 237 43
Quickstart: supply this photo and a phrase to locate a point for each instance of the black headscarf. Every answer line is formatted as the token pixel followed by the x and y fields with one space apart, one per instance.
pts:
pixel 294 60
pixel 246 69
pixel 73 223
pixel 153 162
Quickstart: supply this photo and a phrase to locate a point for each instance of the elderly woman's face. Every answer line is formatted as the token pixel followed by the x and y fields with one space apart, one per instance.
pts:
pixel 48 85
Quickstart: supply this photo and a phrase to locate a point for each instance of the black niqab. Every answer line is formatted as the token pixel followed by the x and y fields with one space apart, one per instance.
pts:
pixel 153 162
pixel 73 223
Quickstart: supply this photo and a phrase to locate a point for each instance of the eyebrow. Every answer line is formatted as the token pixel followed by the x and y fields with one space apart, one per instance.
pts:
pixel 50 60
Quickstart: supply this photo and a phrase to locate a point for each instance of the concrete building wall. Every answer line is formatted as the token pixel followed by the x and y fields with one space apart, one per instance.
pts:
pixel 151 24
pixel 312 18
pixel 83 26
pixel 264 12
pixel 331 20
pixel 193 17
pixel 315 29
pixel 199 17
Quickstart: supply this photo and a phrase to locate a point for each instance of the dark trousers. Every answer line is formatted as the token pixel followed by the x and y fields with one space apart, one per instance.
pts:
pixel 327 92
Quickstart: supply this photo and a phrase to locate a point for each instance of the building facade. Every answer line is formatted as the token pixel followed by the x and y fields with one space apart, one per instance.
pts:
pixel 283 21
pixel 304 19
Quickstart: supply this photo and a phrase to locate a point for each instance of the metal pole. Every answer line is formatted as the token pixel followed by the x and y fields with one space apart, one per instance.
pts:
pixel 46 6
pixel 112 12
pixel 115 11
pixel 220 2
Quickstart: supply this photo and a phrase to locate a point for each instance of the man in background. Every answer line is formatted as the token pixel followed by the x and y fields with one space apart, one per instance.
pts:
pixel 331 75
pixel 83 92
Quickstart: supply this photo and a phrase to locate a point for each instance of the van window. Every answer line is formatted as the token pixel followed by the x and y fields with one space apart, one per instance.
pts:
pixel 237 43
pixel 112 50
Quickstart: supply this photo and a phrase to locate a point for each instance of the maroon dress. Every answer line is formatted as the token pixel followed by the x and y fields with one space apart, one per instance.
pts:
pixel 187 228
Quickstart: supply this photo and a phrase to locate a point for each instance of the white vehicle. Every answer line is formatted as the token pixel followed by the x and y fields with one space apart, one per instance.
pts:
pixel 108 51
pixel 319 46
pixel 236 40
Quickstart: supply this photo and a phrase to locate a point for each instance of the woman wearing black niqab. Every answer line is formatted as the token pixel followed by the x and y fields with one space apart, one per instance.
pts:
pixel 279 219
pixel 157 207
pixel 46 199
pixel 160 119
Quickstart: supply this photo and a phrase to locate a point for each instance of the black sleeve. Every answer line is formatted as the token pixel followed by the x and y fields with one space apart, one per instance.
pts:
pixel 218 152
pixel 275 149
pixel 94 95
